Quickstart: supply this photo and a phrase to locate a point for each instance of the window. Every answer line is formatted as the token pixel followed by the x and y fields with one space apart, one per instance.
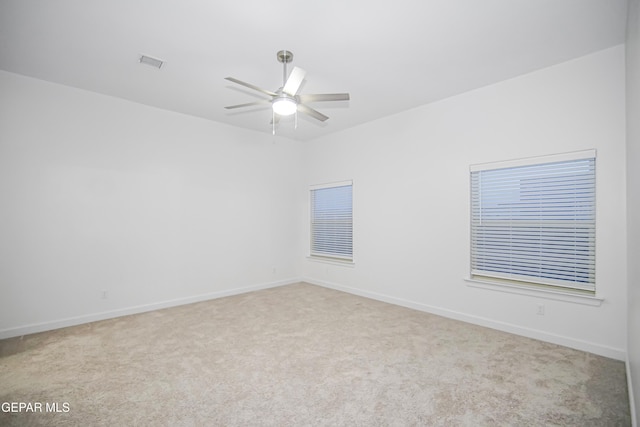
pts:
pixel 332 221
pixel 533 221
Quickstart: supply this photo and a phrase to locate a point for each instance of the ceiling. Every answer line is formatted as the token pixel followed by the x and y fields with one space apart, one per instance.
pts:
pixel 389 55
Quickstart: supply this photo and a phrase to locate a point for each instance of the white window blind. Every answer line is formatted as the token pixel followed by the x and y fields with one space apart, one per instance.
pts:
pixel 535 222
pixel 332 220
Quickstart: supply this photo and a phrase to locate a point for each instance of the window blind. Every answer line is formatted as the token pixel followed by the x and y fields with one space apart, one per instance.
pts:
pixel 535 223
pixel 332 221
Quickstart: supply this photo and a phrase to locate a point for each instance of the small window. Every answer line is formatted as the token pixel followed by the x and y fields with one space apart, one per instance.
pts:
pixel 533 221
pixel 332 221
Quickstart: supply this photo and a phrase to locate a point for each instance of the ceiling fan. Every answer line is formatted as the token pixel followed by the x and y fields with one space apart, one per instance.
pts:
pixel 286 100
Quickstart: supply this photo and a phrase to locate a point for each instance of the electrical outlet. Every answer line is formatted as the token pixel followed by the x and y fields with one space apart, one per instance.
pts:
pixel 275 271
pixel 104 294
pixel 540 311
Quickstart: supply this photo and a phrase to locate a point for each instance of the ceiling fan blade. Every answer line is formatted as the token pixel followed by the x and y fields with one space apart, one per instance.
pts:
pixel 292 86
pixel 250 86
pixel 248 104
pixel 324 97
pixel 311 112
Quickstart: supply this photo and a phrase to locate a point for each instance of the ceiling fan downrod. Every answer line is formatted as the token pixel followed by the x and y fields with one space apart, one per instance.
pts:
pixel 284 57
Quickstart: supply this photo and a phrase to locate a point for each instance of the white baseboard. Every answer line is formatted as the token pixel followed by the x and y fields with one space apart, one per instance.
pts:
pixel 78 320
pixel 613 353
pixel 618 354
pixel 632 401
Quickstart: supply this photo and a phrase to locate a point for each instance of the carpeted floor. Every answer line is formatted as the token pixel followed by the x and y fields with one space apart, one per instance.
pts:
pixel 302 355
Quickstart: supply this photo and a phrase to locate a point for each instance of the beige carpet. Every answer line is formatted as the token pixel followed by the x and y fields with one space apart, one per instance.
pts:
pixel 302 355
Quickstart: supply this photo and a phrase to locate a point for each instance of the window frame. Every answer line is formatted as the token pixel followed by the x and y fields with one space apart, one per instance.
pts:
pixel 529 281
pixel 328 256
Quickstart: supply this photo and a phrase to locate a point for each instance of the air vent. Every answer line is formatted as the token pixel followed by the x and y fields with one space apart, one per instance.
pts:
pixel 153 62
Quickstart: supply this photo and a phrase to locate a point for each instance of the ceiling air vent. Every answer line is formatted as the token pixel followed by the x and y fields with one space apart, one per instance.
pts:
pixel 154 62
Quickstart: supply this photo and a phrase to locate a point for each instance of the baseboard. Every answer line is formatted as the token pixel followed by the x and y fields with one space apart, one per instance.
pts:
pixel 632 401
pixel 94 317
pixel 613 353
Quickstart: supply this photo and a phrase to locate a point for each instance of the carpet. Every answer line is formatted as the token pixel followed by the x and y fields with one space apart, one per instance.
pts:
pixel 302 355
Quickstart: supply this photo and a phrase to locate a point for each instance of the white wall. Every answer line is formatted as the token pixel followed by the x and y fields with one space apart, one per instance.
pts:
pixel 411 197
pixel 633 196
pixel 157 208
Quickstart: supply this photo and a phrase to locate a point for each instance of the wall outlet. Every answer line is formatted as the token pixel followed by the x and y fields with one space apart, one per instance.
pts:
pixel 104 294
pixel 540 311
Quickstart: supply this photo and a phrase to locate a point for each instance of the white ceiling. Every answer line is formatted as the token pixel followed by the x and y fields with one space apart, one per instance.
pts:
pixel 389 55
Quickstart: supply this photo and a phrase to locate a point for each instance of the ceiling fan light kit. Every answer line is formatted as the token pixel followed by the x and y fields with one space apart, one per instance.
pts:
pixel 286 101
pixel 284 106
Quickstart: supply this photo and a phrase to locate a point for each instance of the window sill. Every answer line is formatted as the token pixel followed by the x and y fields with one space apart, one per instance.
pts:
pixel 534 292
pixel 333 261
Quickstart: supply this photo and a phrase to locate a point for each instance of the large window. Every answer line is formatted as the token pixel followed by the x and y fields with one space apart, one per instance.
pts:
pixel 533 221
pixel 332 221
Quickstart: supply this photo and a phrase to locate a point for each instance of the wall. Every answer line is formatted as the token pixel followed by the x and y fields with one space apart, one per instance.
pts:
pixel 411 197
pixel 633 198
pixel 155 208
